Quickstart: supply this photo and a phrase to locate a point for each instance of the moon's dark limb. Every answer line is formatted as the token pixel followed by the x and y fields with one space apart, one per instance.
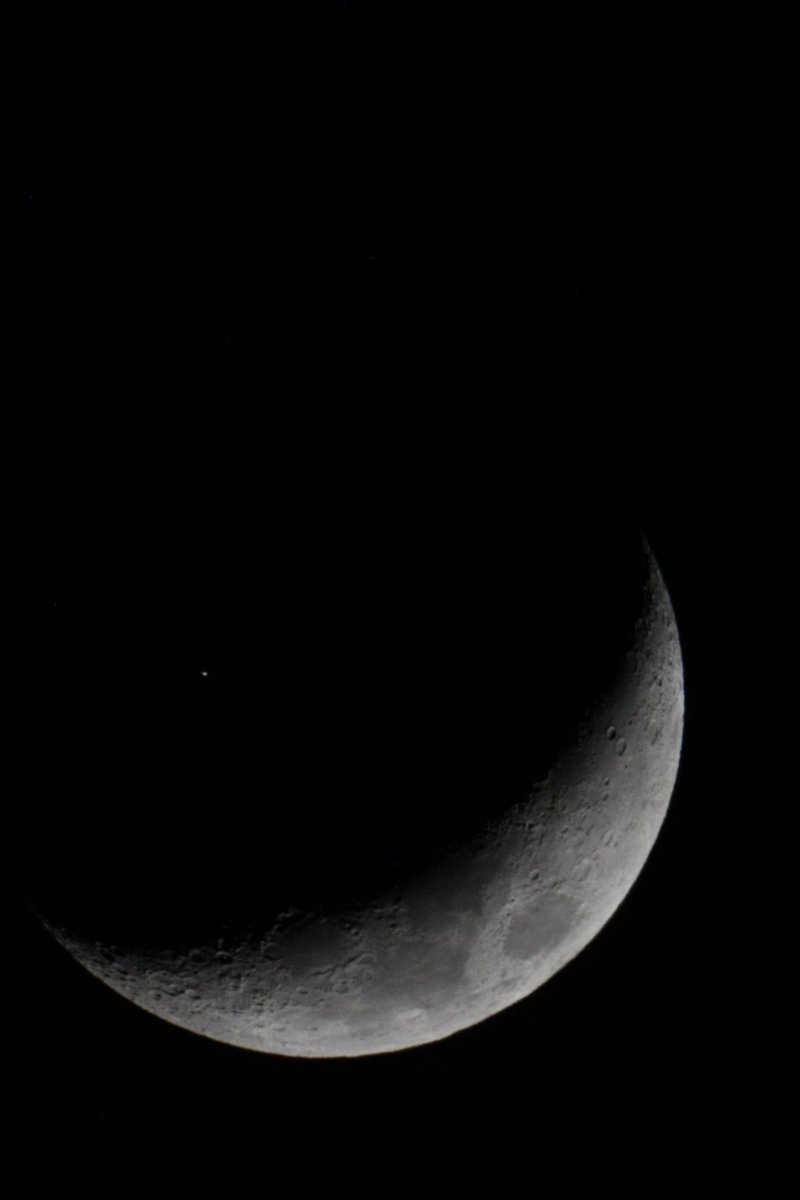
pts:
pixel 359 817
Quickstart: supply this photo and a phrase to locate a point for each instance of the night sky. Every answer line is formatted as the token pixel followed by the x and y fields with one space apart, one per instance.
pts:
pixel 338 289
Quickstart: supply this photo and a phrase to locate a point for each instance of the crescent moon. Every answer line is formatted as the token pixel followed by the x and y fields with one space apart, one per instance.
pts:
pixel 482 928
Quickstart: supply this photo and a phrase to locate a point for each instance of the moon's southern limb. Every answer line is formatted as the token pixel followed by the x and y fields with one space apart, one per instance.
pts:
pixel 481 928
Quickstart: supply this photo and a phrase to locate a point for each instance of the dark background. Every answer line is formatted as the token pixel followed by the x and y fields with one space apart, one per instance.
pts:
pixel 267 279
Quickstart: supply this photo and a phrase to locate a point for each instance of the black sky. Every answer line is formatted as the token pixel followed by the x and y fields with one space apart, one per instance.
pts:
pixel 347 263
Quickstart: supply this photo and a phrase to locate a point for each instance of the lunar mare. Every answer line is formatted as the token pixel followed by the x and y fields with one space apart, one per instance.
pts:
pixel 486 925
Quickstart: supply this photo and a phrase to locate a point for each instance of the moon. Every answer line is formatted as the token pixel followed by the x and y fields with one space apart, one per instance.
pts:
pixel 476 928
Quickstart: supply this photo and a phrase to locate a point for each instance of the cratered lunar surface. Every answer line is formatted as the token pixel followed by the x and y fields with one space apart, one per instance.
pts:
pixel 472 930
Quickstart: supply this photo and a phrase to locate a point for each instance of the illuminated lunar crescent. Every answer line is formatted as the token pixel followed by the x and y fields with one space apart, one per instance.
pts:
pixel 479 929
